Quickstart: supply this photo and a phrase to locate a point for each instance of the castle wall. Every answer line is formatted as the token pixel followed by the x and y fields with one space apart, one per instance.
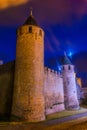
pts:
pixel 53 92
pixel 70 90
pixel 28 99
pixel 6 89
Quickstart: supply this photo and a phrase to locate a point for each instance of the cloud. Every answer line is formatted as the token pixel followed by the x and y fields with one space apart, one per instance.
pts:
pixel 10 3
pixel 61 11
pixel 46 12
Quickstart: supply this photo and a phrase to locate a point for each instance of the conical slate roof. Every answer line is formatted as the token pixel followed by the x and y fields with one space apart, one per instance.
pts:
pixel 31 20
pixel 65 60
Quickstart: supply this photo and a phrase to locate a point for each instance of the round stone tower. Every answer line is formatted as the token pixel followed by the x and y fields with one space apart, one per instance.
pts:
pixel 28 98
pixel 70 90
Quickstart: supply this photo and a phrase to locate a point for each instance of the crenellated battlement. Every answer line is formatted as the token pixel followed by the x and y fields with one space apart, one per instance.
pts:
pixel 53 91
pixel 67 67
pixel 51 71
pixel 28 29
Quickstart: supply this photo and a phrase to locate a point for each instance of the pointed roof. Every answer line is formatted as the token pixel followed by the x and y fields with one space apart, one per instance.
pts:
pixel 31 20
pixel 65 60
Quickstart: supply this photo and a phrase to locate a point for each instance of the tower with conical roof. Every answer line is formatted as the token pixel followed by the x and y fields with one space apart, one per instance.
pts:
pixel 28 98
pixel 70 90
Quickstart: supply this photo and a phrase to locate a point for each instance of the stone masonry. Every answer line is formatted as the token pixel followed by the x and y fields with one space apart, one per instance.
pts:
pixel 70 91
pixel 53 91
pixel 28 99
pixel 38 90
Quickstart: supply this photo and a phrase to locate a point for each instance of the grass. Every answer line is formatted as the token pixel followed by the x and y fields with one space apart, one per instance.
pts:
pixel 66 113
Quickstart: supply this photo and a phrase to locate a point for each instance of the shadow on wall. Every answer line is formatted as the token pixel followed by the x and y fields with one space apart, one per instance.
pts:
pixel 6 89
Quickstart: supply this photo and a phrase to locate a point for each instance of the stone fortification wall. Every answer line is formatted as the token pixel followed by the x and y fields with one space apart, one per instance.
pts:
pixel 70 90
pixel 53 91
pixel 6 89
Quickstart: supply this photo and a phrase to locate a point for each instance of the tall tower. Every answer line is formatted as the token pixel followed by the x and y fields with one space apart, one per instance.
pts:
pixel 28 98
pixel 70 90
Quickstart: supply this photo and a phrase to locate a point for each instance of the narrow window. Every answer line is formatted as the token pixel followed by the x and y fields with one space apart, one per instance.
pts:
pixel 20 31
pixel 40 33
pixel 36 36
pixel 63 67
pixel 69 67
pixel 30 29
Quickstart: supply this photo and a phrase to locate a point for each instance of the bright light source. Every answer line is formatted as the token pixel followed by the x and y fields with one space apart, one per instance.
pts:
pixel 59 68
pixel 70 54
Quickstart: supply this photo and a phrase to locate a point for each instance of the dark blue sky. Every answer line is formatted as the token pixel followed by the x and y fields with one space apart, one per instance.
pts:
pixel 65 26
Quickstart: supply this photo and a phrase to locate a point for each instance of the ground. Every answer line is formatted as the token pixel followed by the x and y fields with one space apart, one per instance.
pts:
pixel 80 124
pixel 66 120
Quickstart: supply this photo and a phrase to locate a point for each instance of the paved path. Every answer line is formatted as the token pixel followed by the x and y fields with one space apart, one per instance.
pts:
pixel 65 119
pixel 42 125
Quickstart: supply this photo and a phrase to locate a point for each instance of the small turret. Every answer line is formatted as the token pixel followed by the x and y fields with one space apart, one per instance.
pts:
pixel 70 90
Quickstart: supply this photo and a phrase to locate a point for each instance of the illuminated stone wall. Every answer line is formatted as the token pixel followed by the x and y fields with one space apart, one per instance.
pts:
pixel 53 91
pixel 70 90
pixel 28 99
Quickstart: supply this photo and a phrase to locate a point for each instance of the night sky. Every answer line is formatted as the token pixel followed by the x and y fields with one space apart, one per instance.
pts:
pixel 64 23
